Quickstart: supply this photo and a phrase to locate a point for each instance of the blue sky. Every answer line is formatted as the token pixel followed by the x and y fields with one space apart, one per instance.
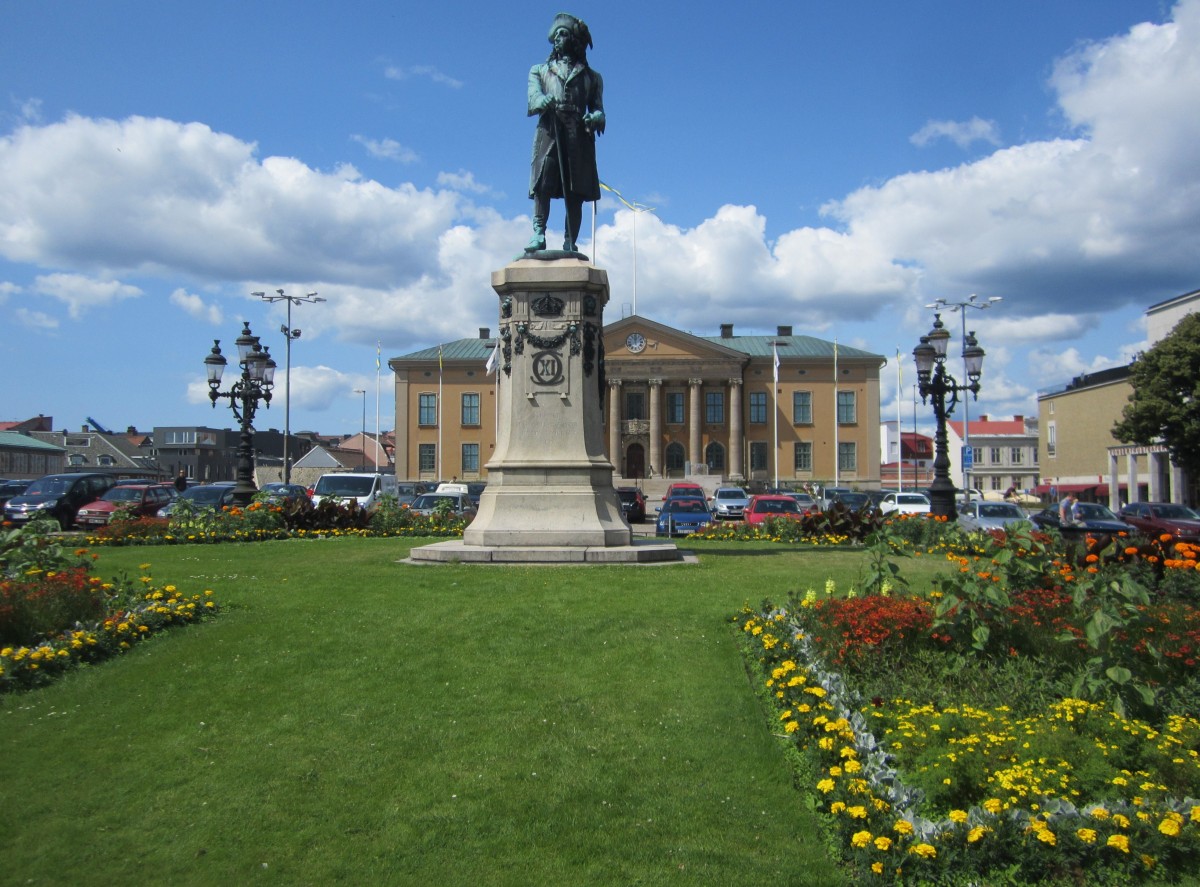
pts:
pixel 832 166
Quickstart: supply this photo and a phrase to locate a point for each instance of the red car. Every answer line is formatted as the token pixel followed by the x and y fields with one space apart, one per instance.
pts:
pixel 1163 518
pixel 771 505
pixel 143 499
pixel 685 489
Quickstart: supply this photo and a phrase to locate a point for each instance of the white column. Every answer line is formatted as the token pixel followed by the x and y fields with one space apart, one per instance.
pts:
pixel 655 452
pixel 734 467
pixel 1131 469
pixel 614 426
pixel 695 417
pixel 1154 467
pixel 1114 483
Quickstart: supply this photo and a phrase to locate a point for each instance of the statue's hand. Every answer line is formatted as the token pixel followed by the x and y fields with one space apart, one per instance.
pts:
pixel 593 118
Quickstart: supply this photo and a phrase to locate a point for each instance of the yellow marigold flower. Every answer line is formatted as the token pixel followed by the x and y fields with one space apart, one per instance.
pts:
pixel 993 806
pixel 837 807
pixel 926 851
pixel 835 771
pixel 1169 827
pixel 883 842
pixel 861 839
pixel 877 868
pixel 825 786
pixel 1196 813
pixel 1087 835
pixel 977 833
pixel 959 816
pixel 1118 842
pixel 903 827
pixel 1121 821
pixel 853 766
pixel 1046 836
pixel 857 812
pixel 790 727
pixel 1100 813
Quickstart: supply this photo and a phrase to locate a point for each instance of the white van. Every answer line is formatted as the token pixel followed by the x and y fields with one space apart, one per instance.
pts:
pixel 365 489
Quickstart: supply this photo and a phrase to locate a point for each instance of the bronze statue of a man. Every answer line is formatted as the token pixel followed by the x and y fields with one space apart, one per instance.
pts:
pixel 568 97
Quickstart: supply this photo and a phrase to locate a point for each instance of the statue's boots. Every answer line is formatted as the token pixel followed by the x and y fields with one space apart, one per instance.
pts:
pixel 537 243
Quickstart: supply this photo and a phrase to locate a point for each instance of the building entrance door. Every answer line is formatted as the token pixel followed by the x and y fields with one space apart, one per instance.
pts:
pixel 635 461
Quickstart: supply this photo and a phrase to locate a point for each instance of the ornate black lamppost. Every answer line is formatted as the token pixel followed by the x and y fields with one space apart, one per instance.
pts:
pixel 255 384
pixel 936 384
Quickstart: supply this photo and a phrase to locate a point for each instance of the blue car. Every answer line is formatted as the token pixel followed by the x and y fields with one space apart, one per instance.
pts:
pixel 682 517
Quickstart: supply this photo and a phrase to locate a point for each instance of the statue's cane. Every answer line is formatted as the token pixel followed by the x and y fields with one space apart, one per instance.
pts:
pixel 562 173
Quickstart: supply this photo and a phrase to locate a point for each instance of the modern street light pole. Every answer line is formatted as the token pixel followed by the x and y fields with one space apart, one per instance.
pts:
pixel 961 307
pixel 254 385
pixel 363 464
pixel 289 334
pixel 937 385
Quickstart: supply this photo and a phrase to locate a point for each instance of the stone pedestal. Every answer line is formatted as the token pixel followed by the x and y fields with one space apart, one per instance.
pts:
pixel 550 482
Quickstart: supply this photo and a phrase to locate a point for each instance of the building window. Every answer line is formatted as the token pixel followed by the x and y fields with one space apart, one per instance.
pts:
pixel 758 408
pixel 995 454
pixel 714 457
pixel 181 437
pixel 803 457
pixel 846 408
pixel 635 405
pixel 976 455
pixel 106 460
pixel 427 409
pixel 1051 438
pixel 714 407
pixel 427 457
pixel 996 482
pixel 848 456
pixel 1016 456
pixel 674 407
pixel 76 459
pixel 470 409
pixel 470 458
pixel 802 407
pixel 758 455
pixel 675 458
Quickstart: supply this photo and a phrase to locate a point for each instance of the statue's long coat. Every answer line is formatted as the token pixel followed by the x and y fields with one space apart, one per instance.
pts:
pixel 579 86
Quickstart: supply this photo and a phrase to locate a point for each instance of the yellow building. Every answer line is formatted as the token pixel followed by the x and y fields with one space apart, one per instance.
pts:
pixel 677 405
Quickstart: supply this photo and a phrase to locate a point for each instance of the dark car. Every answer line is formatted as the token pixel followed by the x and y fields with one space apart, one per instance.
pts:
pixel 1163 519
pixel 280 493
pixel 852 499
pixel 207 497
pixel 10 488
pixel 143 500
pixel 633 504
pixel 58 495
pixel 1090 518
pixel 682 516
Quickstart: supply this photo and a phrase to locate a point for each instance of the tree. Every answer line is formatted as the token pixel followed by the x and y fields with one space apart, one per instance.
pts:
pixel 1165 404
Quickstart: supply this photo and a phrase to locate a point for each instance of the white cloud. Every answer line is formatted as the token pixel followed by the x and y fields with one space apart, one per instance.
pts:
pixel 153 196
pixel 962 133
pixel 196 307
pixel 387 149
pixel 81 294
pixel 36 320
pixel 463 181
pixel 426 72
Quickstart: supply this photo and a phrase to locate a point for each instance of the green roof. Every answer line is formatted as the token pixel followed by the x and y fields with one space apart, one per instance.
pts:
pixel 16 440
pixel 790 346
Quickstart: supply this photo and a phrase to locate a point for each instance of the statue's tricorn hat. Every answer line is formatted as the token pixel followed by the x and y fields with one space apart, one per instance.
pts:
pixel 577 28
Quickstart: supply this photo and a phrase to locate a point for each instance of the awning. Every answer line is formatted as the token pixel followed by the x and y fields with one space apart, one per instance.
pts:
pixel 1048 489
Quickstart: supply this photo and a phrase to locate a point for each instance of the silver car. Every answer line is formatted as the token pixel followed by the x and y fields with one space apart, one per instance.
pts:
pixel 729 503
pixel 977 515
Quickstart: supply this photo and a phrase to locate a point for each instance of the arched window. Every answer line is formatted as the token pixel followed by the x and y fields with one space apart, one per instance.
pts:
pixel 714 457
pixel 106 459
pixel 77 459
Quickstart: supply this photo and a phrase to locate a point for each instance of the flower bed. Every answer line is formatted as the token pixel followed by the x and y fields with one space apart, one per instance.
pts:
pixel 55 613
pixel 1031 719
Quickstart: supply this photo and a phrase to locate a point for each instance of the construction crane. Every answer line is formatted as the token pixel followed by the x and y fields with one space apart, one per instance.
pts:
pixel 98 426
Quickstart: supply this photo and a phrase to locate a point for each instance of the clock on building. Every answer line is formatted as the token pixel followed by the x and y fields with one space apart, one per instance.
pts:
pixel 636 343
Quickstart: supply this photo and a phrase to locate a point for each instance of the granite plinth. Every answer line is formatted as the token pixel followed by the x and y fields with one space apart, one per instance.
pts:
pixel 456 551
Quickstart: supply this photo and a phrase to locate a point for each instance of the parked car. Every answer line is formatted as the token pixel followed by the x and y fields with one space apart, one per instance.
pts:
pixel 728 503
pixel 759 508
pixel 407 491
pixel 143 500
pixel 682 516
pixel 364 488
pixel 206 497
pixel 1091 518
pixel 904 503
pixel 281 492
pixel 475 491
pixel 10 488
pixel 808 505
pixel 974 516
pixel 633 504
pixel 58 495
pixel 458 504
pixel 1163 519
pixel 971 495
pixel 684 488
pixel 852 499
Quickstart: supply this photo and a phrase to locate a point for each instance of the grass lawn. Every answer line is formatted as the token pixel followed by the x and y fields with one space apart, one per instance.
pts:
pixel 351 719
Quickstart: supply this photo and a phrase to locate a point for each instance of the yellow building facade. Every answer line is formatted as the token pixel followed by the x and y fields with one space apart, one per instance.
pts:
pixel 677 405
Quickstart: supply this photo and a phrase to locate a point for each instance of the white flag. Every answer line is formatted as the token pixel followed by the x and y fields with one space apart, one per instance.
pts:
pixel 775 351
pixel 493 358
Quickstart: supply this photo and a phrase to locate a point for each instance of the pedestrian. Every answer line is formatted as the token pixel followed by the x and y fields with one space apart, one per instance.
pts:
pixel 1066 509
pixel 181 480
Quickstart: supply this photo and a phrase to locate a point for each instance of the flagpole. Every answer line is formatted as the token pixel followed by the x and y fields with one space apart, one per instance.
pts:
pixel 439 416
pixel 775 405
pixel 899 429
pixel 837 446
pixel 377 447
